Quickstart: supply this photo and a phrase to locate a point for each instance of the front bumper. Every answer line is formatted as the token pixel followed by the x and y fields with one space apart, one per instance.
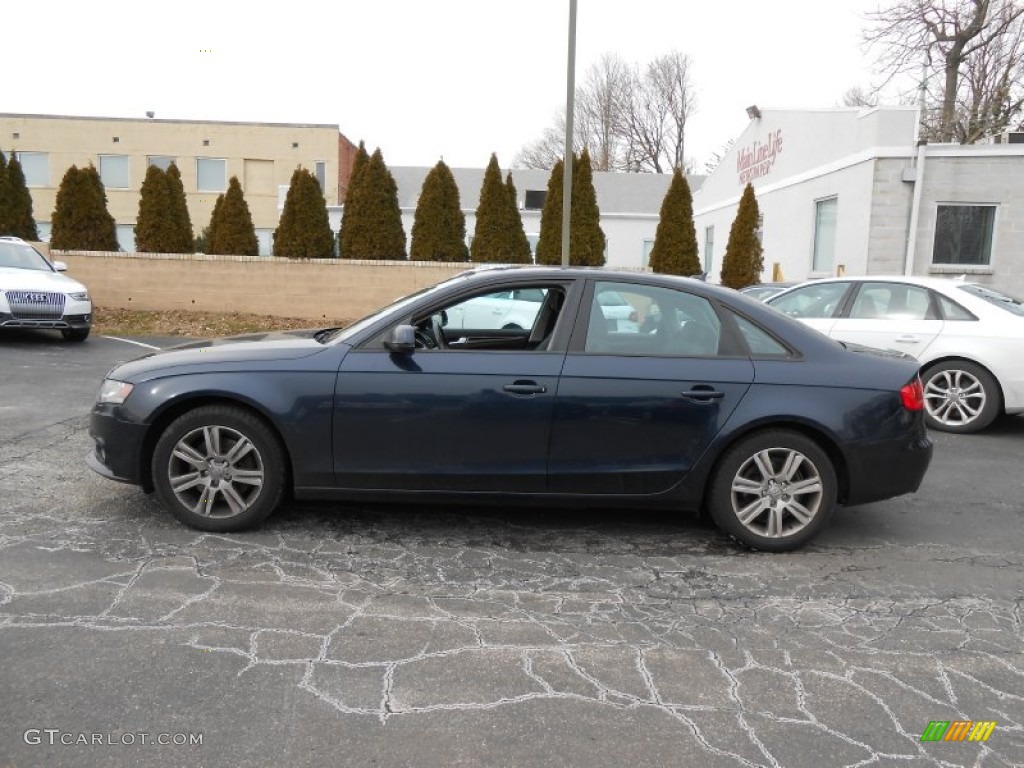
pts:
pixel 78 322
pixel 117 446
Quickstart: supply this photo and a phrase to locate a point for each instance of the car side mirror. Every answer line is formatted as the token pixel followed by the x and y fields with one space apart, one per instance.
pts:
pixel 402 341
pixel 60 266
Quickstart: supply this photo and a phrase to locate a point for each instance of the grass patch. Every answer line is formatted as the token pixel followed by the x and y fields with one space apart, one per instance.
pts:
pixel 181 322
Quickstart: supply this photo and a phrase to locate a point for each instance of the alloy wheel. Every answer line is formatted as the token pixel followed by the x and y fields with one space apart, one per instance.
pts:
pixel 776 492
pixel 216 472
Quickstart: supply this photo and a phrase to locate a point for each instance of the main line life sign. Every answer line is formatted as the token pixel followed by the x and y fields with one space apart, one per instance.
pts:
pixel 756 160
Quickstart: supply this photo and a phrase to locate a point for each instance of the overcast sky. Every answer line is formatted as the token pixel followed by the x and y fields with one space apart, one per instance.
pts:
pixel 421 79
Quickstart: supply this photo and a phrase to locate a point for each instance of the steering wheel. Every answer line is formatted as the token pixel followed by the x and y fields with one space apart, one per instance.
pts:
pixel 423 339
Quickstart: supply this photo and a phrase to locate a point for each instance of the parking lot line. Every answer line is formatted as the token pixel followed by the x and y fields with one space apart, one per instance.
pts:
pixel 130 341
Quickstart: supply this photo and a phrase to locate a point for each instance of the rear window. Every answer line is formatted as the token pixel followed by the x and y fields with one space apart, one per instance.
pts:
pixel 1011 304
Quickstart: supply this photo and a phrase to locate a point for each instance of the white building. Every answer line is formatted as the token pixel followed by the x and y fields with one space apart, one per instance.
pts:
pixel 849 190
pixel 630 204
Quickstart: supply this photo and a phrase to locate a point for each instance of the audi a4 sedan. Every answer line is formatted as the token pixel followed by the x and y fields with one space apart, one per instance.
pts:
pixel 35 294
pixel 968 338
pixel 727 405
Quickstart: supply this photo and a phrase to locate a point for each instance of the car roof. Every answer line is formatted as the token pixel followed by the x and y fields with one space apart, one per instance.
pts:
pixel 925 280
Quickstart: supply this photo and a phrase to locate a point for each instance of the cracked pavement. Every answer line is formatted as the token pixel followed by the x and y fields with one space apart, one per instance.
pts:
pixel 426 636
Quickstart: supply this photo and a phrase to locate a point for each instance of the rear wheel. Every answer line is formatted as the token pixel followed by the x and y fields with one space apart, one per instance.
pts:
pixel 773 491
pixel 75 334
pixel 960 397
pixel 219 468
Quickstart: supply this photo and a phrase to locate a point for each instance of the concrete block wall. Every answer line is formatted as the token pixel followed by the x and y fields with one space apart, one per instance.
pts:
pixel 316 289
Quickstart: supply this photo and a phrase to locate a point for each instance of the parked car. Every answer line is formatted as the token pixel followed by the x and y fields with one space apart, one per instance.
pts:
pixel 728 405
pixel 969 338
pixel 764 291
pixel 517 309
pixel 34 293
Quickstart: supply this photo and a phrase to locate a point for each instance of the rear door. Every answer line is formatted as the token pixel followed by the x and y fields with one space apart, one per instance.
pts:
pixel 636 409
pixel 890 315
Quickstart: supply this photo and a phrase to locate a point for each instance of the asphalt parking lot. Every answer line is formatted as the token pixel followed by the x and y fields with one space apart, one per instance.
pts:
pixel 470 636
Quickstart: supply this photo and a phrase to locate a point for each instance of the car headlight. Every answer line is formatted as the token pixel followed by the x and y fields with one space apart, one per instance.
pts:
pixel 114 391
pixel 82 296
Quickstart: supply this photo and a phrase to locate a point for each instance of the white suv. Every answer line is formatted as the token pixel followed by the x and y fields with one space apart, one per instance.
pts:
pixel 34 293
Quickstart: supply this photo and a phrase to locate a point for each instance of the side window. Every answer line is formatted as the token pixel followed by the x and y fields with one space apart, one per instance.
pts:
pixel 814 300
pixel 653 321
pixel 496 321
pixel 759 341
pixel 953 311
pixel 892 301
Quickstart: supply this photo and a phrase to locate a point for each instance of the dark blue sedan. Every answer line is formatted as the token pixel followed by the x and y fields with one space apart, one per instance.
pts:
pixel 706 399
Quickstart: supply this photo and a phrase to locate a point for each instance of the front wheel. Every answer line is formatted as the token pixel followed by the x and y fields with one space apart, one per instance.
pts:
pixel 75 334
pixel 219 468
pixel 960 397
pixel 773 491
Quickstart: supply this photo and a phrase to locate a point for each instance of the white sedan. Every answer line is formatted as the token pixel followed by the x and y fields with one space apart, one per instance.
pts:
pixel 969 338
pixel 34 293
pixel 517 310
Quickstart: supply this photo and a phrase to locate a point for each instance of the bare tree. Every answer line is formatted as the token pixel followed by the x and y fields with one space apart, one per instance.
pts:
pixel 991 93
pixel 628 120
pixel 940 34
pixel 858 97
pixel 599 106
pixel 717 157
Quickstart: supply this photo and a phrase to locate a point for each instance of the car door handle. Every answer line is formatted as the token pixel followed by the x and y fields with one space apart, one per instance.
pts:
pixel 525 388
pixel 702 393
pixel 907 340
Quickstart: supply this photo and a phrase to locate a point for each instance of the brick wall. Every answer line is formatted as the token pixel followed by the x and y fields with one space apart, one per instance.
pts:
pixel 315 289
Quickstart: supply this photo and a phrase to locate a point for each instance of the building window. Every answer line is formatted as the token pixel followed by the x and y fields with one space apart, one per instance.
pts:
pixel 533 240
pixel 534 199
pixel 265 242
pixel 36 167
pixel 163 162
pixel 963 234
pixel 114 171
pixel 126 238
pixel 211 174
pixel 645 259
pixel 824 235
pixel 320 171
pixel 709 249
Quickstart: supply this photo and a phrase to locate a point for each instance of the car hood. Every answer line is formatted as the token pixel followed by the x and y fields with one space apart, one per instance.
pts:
pixel 251 348
pixel 14 279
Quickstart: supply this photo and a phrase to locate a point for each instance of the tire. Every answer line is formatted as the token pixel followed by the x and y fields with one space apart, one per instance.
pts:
pixel 751 498
pixel 75 334
pixel 231 503
pixel 960 397
pixel 511 327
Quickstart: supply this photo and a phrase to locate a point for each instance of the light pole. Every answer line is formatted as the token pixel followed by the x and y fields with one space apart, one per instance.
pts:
pixel 570 104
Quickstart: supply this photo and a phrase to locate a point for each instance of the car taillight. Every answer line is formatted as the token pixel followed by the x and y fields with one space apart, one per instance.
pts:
pixel 912 395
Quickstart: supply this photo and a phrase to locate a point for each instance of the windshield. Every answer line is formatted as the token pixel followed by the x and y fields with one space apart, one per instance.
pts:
pixel 343 334
pixel 1003 301
pixel 21 256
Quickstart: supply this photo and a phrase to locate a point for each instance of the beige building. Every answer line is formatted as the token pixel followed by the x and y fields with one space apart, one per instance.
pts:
pixel 262 155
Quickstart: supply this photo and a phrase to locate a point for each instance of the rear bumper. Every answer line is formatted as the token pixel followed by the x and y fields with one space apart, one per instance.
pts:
pixel 881 471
